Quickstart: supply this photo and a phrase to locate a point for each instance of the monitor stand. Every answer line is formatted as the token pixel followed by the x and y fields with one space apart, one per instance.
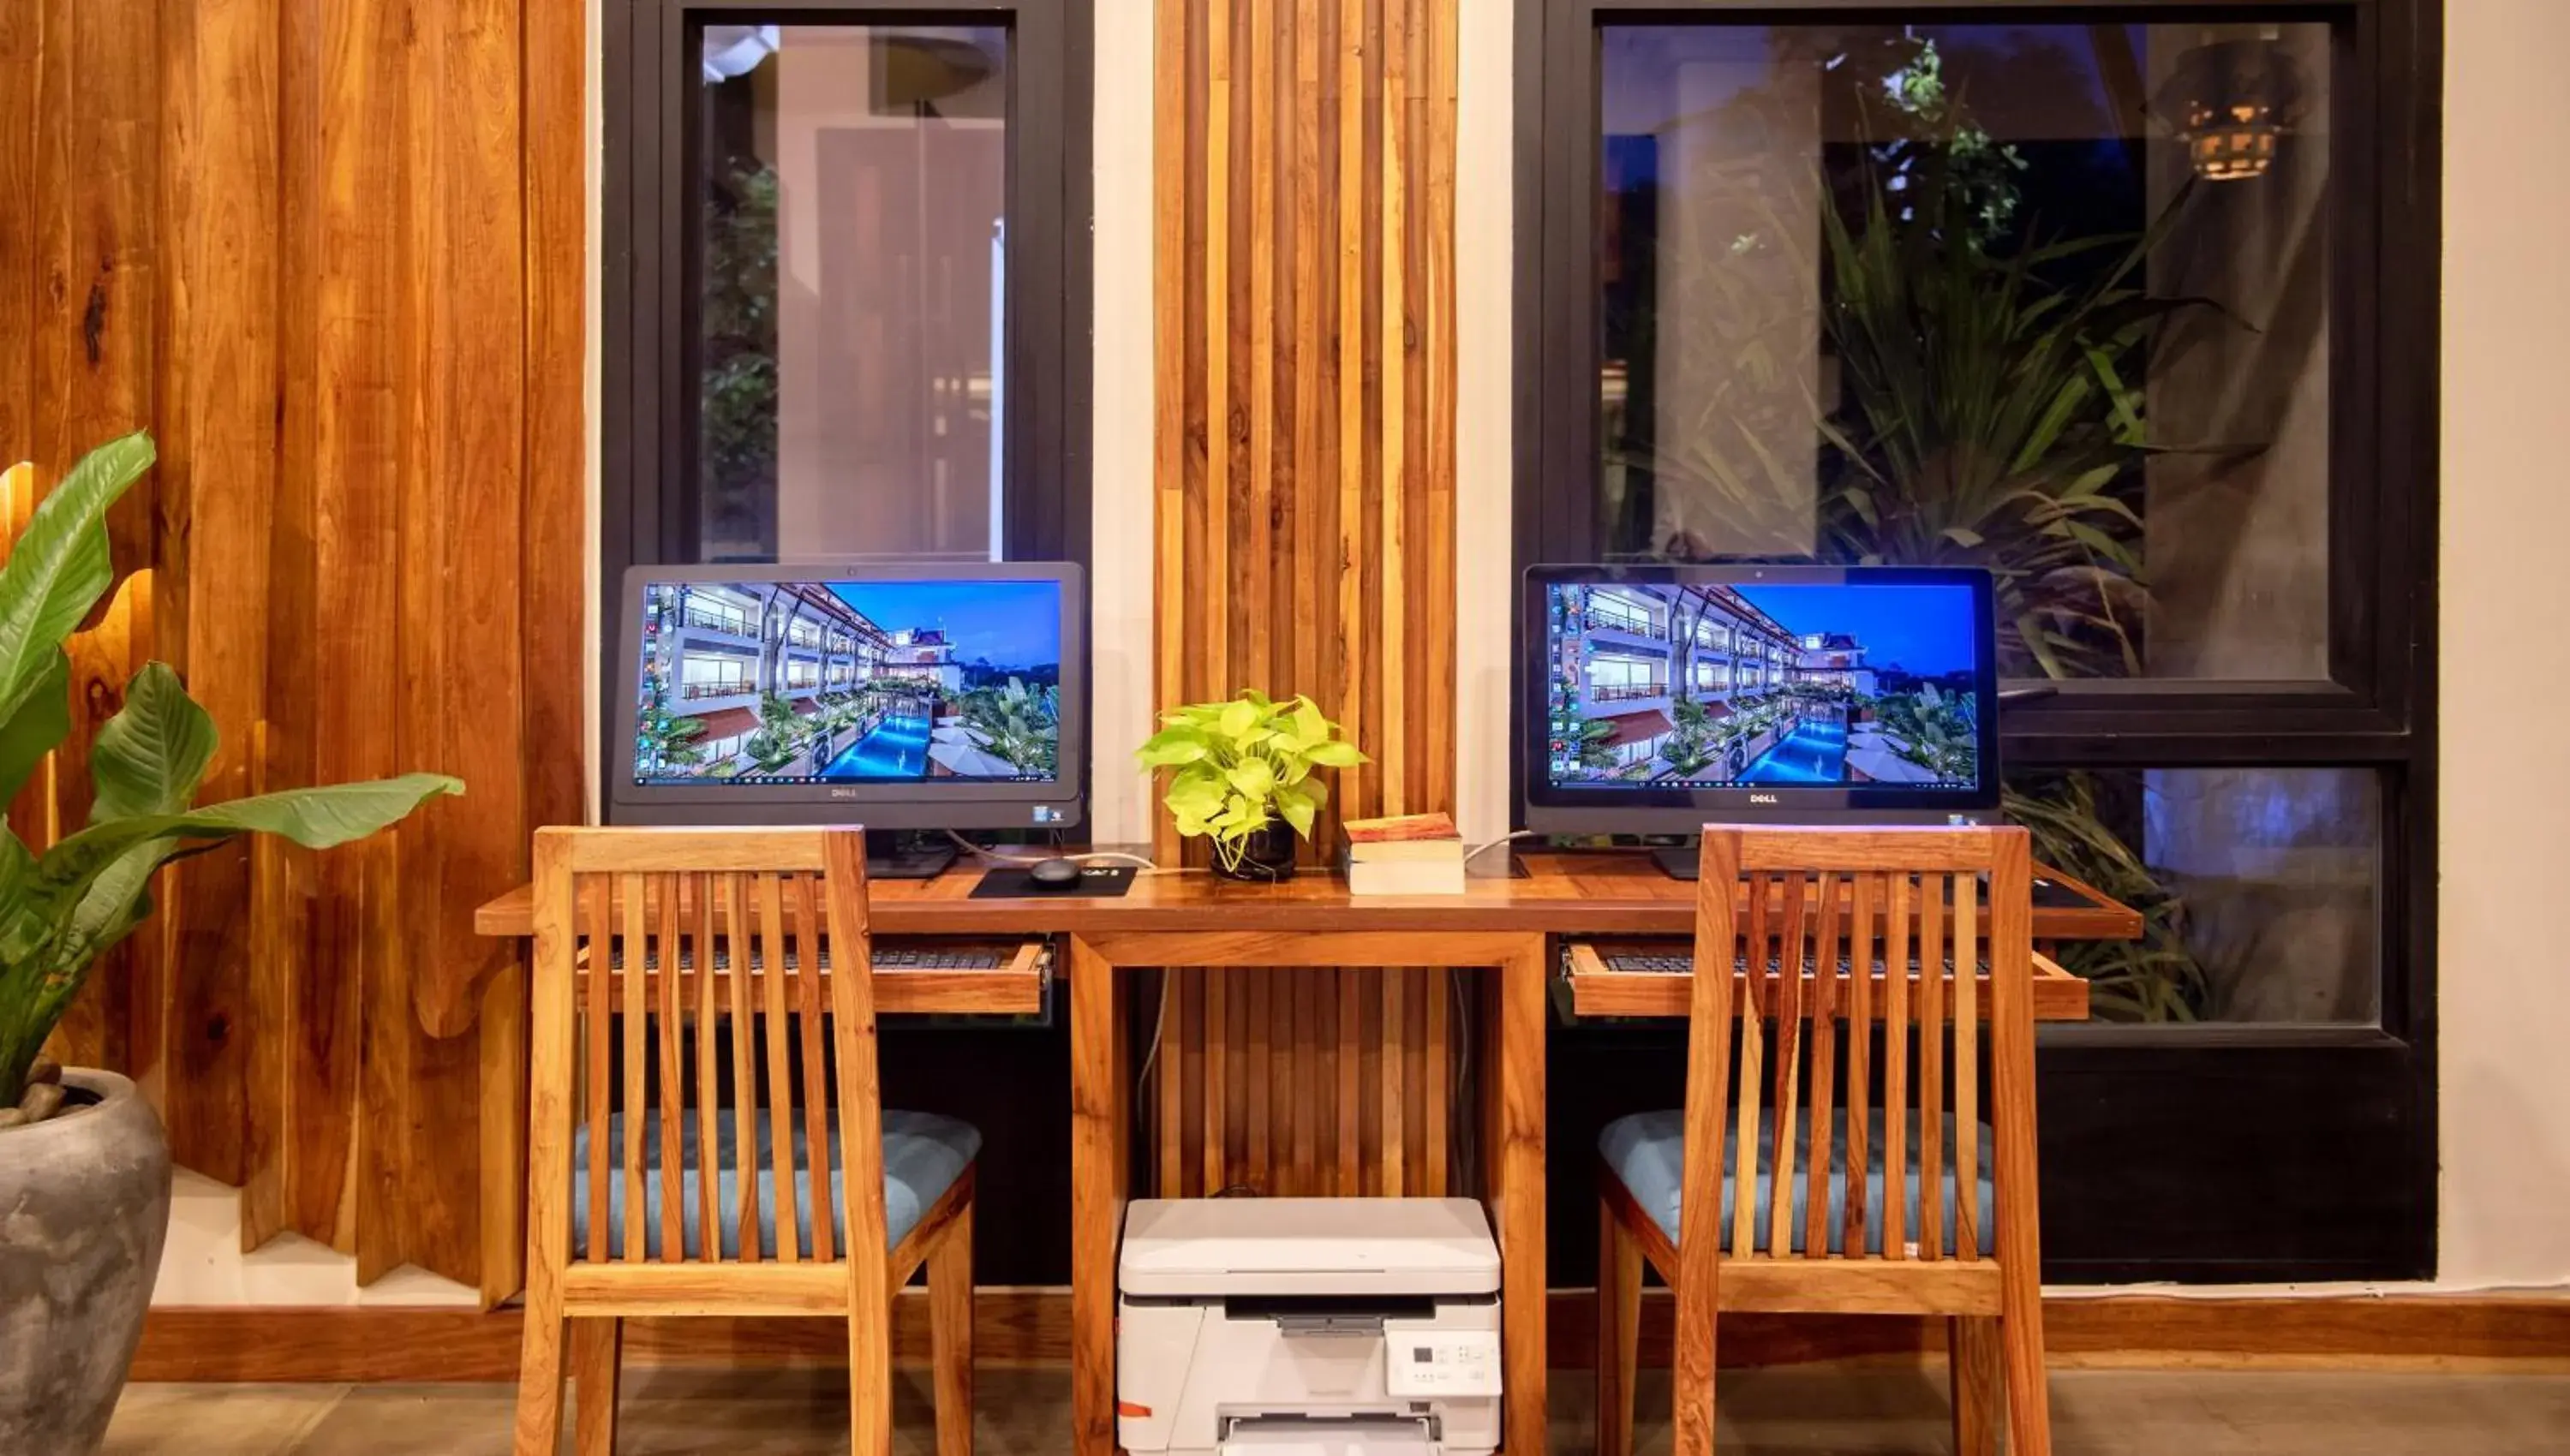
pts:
pixel 1678 861
pixel 913 858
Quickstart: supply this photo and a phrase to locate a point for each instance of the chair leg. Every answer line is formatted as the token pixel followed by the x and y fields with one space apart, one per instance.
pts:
pixel 1972 1361
pixel 950 1311
pixel 540 1386
pixel 2029 1403
pixel 1619 1330
pixel 597 1350
pixel 870 1370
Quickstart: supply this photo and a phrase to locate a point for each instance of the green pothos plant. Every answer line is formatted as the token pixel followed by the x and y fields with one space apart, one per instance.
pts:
pixel 62 909
pixel 1245 764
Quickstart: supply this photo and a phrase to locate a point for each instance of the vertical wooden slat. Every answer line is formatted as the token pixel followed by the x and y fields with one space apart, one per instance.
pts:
pixel 1932 1066
pixel 1394 545
pixel 672 1099
pixel 777 1030
pixel 1351 653
pixel 1391 1132
pixel 634 1020
pixel 1967 1035
pixel 1351 1057
pixel 744 1072
pixel 1168 1072
pixel 1217 1172
pixel 596 1031
pixel 1258 558
pixel 1220 405
pixel 1757 1000
pixel 708 1077
pixel 1440 1077
pixel 1308 1080
pixel 1859 1057
pixel 1281 1120
pixel 1257 992
pixel 1796 888
pixel 1824 1013
pixel 816 1089
pixel 1896 1068
pixel 1171 613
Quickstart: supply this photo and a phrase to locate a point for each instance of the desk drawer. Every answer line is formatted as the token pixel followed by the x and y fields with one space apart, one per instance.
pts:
pixel 1599 988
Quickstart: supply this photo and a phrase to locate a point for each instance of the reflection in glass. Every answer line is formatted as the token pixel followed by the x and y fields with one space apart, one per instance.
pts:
pixel 1958 294
pixel 2260 889
pixel 848 307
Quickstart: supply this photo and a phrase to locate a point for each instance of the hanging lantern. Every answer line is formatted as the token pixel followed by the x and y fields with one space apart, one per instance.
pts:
pixel 2231 102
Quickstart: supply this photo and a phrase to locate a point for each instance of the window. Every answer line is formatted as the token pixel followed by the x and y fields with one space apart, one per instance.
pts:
pixel 846 284
pixel 1624 680
pixel 2134 303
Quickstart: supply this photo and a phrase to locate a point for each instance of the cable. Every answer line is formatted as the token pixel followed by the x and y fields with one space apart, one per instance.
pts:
pixel 1107 855
pixel 1509 838
pixel 1159 1023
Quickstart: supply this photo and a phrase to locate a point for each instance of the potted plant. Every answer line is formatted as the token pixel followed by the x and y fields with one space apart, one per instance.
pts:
pixel 1244 777
pixel 84 1167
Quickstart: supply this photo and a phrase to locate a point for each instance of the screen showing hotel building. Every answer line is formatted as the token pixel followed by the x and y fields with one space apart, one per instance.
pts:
pixel 1667 686
pixel 807 682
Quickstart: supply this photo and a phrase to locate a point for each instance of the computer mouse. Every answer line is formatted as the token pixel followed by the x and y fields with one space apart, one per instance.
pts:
pixel 1053 873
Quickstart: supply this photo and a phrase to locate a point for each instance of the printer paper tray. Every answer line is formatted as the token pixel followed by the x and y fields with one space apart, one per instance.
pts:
pixel 1314 1438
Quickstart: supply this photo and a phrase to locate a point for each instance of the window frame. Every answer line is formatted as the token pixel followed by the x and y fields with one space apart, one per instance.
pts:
pixel 648 400
pixel 2378 713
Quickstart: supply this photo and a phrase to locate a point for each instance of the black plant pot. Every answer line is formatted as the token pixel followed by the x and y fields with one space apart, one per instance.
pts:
pixel 1266 857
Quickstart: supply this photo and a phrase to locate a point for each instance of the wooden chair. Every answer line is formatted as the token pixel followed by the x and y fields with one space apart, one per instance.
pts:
pixel 718 990
pixel 1942 1223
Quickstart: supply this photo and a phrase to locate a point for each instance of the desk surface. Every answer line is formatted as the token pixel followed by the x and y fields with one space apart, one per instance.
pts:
pixel 1559 892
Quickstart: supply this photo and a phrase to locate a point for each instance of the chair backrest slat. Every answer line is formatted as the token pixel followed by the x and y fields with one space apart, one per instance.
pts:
pixel 1757 1001
pixel 599 1095
pixel 1849 935
pixel 1967 1023
pixel 1824 1074
pixel 744 1066
pixel 776 1036
pixel 1861 929
pixel 817 1097
pixel 668 1031
pixel 1932 1066
pixel 708 1076
pixel 689 940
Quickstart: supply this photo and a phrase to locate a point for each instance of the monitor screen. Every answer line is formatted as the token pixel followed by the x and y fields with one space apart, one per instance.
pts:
pixel 1716 686
pixel 855 681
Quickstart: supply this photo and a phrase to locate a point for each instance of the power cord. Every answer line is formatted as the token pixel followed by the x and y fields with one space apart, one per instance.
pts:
pixel 1106 857
pixel 1506 839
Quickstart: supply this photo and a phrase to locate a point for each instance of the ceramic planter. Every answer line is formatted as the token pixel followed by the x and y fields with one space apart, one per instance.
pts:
pixel 1266 857
pixel 84 1206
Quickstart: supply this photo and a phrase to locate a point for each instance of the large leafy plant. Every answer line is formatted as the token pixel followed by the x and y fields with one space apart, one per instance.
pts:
pixel 62 909
pixel 1245 764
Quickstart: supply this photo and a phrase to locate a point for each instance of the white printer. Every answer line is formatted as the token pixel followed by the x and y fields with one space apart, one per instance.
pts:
pixel 1253 1326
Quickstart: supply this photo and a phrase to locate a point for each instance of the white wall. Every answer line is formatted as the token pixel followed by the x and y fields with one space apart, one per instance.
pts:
pixel 2503 977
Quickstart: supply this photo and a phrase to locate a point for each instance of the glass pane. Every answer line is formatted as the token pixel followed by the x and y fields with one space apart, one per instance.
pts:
pixel 848 319
pixel 2050 298
pixel 2260 888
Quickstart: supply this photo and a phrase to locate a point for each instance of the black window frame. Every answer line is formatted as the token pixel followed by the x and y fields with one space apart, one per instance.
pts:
pixel 647 395
pixel 2377 714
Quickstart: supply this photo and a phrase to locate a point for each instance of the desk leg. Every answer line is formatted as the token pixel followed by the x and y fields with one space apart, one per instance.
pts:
pixel 1513 1143
pixel 1099 1169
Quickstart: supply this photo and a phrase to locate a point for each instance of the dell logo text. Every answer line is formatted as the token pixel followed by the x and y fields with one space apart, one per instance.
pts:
pixel 1762 798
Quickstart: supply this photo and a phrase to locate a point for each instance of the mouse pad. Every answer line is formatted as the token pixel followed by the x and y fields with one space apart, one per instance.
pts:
pixel 1096 881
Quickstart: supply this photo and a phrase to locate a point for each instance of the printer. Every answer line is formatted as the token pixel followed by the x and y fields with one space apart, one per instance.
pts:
pixel 1283 1326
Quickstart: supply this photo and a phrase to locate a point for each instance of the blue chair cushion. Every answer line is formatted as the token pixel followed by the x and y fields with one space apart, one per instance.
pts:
pixel 1647 1152
pixel 923 1154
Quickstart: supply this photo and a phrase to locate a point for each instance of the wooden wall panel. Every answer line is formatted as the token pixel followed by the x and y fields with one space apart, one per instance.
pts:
pixel 1305 530
pixel 330 253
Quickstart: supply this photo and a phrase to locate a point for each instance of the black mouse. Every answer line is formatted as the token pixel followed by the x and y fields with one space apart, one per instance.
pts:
pixel 1053 873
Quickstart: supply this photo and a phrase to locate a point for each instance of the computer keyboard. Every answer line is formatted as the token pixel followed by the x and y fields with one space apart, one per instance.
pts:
pixel 1661 963
pixel 887 957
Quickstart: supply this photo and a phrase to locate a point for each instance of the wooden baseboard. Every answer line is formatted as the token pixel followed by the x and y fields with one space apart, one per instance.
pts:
pixel 1032 1326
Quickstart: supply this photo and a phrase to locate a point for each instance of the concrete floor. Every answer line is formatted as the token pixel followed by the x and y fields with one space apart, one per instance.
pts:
pixel 1855 1410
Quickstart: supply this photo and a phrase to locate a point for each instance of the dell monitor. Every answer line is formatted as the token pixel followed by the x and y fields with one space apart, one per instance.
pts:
pixel 1663 698
pixel 904 696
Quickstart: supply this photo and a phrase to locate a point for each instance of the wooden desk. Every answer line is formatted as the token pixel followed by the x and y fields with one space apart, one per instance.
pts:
pixel 1503 926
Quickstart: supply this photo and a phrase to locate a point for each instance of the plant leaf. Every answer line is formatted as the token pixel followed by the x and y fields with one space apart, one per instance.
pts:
pixel 151 756
pixel 60 566
pixel 1254 778
pixel 1334 755
pixel 1238 717
pixel 315 818
pixel 42 722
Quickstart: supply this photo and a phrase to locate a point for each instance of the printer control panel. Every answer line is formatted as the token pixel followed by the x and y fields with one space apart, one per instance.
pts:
pixel 1426 1364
